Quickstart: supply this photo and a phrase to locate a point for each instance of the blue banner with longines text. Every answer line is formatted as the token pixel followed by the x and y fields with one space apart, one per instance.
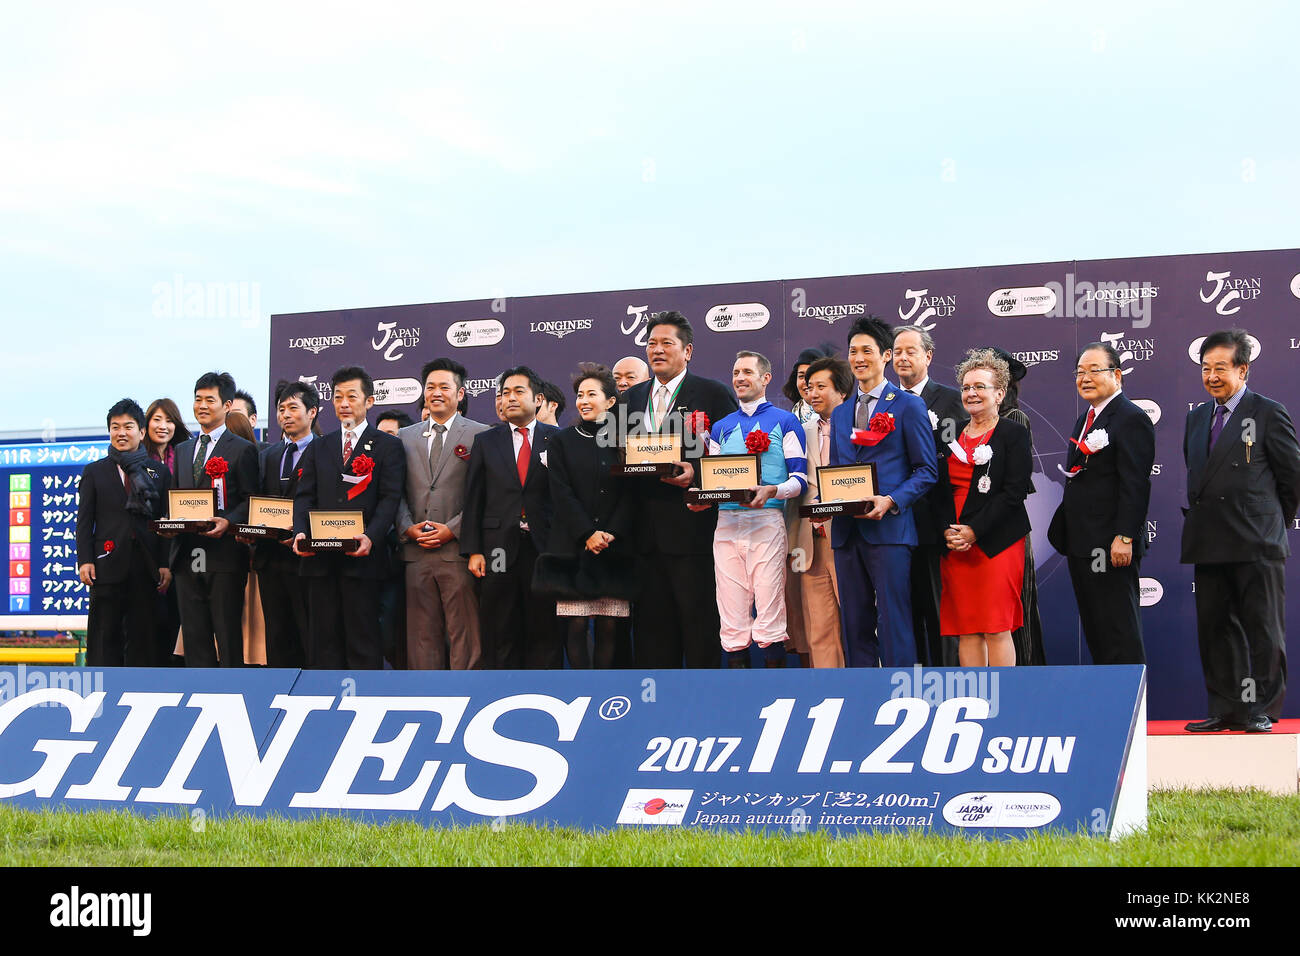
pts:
pixel 1000 751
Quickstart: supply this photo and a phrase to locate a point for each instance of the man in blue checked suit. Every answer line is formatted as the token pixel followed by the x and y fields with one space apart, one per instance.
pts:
pixel 873 553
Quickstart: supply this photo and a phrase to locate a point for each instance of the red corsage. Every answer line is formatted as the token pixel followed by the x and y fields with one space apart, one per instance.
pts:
pixel 698 423
pixel 363 465
pixel 461 452
pixel 299 472
pixel 216 468
pixel 108 547
pixel 757 442
pixel 882 423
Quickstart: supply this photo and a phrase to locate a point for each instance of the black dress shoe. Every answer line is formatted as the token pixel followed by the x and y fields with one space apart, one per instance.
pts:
pixel 1211 725
pixel 1258 724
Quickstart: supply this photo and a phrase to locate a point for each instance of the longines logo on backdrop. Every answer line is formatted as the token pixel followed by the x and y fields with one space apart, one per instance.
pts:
pixel 477 386
pixel 929 307
pixel 316 344
pixel 1029 359
pixel 561 328
pixel 1228 293
pixel 323 389
pixel 830 314
pixel 1129 349
pixel 393 340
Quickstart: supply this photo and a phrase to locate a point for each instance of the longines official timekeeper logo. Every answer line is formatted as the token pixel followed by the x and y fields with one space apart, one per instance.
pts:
pixel 477 386
pixel 830 314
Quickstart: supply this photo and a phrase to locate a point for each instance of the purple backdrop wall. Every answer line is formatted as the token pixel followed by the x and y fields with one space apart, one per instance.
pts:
pixel 1152 309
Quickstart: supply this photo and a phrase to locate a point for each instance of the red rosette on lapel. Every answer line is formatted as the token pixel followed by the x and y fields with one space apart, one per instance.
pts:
pixel 216 469
pixel 698 424
pixel 461 452
pixel 757 442
pixel 109 546
pixel 362 468
pixel 882 423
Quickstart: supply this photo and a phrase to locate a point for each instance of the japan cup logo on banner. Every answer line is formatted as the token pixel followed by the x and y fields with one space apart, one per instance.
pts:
pixel 465 335
pixel 324 389
pixel 1229 294
pixel 737 318
pixel 1029 300
pixel 393 341
pixel 638 323
pixel 1130 349
pixel 926 307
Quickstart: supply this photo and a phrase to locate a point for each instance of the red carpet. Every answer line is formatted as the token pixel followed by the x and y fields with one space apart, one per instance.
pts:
pixel 1166 728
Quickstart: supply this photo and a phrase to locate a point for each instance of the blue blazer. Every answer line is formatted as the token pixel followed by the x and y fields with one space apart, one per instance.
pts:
pixel 905 461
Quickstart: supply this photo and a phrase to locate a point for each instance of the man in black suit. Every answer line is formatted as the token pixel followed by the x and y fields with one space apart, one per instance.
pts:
pixel 505 521
pixel 678 611
pixel 357 468
pixel 279 578
pixel 1100 524
pixel 211 570
pixel 118 557
pixel 913 353
pixel 1243 487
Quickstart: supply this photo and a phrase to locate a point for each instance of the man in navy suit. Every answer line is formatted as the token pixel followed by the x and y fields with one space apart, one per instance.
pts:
pixel 1101 523
pixel 1243 487
pixel 505 520
pixel 873 553
pixel 280 583
pixel 357 468
pixel 118 557
pixel 211 570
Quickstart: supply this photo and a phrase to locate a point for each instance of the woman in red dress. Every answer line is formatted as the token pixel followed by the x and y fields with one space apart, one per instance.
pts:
pixel 988 469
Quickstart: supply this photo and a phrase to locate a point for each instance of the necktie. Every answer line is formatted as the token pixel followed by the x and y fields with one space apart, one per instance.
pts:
pixel 1220 414
pixel 823 443
pixel 861 420
pixel 200 458
pixel 525 452
pixel 347 447
pixel 435 446
pixel 661 404
pixel 1087 426
pixel 286 469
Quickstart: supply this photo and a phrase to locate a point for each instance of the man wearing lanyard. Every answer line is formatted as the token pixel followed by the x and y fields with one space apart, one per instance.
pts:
pixel 677 614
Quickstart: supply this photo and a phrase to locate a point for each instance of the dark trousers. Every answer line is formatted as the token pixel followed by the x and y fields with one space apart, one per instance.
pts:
pixel 875 603
pixel 1241 629
pixel 121 629
pixel 343 623
pixel 677 615
pixel 211 605
pixel 925 605
pixel 517 627
pixel 1109 610
pixel 284 607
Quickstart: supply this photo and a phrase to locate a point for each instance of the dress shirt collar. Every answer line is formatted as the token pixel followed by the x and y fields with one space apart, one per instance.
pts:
pixel 357 430
pixel 1109 398
pixel 672 386
pixel 1235 400
pixel 920 386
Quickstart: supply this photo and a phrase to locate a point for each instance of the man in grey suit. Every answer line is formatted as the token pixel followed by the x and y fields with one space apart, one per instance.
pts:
pixel 442 623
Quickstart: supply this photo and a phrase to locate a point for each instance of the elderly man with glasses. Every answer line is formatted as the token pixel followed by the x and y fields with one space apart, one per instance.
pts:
pixel 1101 523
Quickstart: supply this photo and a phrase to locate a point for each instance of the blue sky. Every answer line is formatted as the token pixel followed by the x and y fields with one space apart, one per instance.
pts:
pixel 318 156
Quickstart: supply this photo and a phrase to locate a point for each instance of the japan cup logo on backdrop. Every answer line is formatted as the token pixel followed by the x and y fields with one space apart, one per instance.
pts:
pixel 393 341
pixel 925 308
pixel 1228 293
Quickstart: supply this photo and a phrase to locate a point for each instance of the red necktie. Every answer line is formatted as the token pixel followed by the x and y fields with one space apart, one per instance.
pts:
pixel 525 452
pixel 1087 426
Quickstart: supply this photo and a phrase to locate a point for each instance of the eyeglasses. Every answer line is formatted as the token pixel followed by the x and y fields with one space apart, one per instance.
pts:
pixel 1085 372
pixel 979 388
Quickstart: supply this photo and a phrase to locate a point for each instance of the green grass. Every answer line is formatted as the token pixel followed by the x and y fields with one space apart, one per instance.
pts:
pixel 1219 828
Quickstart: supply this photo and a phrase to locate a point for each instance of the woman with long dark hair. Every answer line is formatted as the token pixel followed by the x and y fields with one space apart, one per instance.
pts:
pixel 164 429
pixel 589 566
